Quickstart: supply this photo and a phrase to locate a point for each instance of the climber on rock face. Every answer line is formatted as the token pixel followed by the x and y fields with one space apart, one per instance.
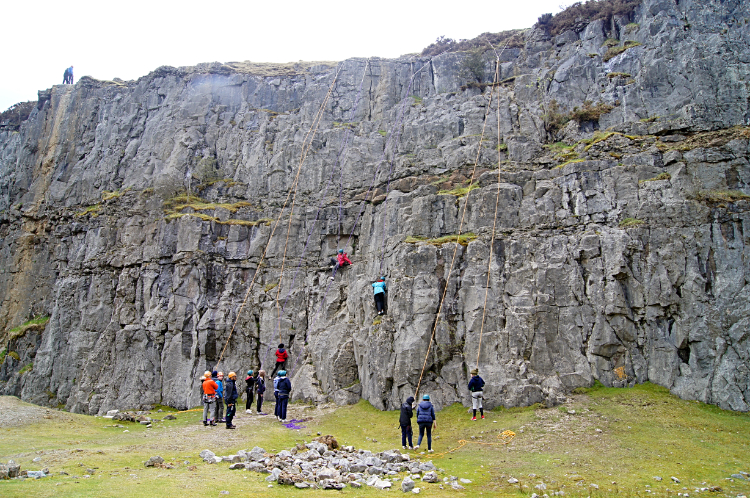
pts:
pixel 68 76
pixel 379 289
pixel 342 259
pixel 281 356
pixel 476 387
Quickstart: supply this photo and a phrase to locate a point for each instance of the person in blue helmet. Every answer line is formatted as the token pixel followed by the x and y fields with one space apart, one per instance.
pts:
pixel 426 421
pixel 379 289
pixel 342 259
pixel 285 390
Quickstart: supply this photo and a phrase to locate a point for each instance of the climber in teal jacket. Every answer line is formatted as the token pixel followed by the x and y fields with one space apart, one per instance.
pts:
pixel 379 288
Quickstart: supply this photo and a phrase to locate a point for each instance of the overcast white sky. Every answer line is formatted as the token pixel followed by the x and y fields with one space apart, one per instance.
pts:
pixel 132 38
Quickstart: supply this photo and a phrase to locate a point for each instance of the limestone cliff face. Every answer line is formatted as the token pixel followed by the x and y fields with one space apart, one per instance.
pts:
pixel 618 256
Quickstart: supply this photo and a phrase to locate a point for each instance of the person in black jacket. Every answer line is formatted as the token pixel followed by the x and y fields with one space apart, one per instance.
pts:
pixel 476 387
pixel 260 388
pixel 405 420
pixel 250 391
pixel 230 398
pixel 285 389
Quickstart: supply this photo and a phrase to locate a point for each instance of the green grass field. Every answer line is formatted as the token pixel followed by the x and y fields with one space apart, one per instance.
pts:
pixel 603 442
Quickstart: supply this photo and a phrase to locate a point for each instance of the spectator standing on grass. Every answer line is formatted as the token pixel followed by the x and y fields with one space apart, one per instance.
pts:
pixel 285 389
pixel 260 387
pixel 404 420
pixel 209 398
pixel 218 377
pixel 230 398
pixel 249 391
pixel 276 394
pixel 476 387
pixel 426 421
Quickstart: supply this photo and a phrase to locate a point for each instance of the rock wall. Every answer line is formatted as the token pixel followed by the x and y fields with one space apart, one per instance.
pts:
pixel 619 253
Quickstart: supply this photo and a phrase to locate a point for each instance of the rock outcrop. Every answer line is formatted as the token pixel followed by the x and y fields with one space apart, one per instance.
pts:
pixel 619 250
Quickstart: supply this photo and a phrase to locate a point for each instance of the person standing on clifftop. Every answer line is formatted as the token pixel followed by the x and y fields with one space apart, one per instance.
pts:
pixel 68 76
pixel 379 289
pixel 281 356
pixel 230 398
pixel 249 391
pixel 476 387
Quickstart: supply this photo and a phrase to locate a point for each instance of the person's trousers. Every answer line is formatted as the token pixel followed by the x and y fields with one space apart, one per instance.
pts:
pixel 406 434
pixel 283 401
pixel 219 409
pixel 280 365
pixel 207 410
pixel 380 302
pixel 249 403
pixel 476 399
pixel 428 427
pixel 260 402
pixel 231 410
pixel 276 408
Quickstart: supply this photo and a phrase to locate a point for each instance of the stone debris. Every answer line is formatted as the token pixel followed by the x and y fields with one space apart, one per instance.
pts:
pixel 323 464
pixel 154 461
pixel 12 470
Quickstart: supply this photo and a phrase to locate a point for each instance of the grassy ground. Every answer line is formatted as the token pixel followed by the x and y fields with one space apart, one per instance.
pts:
pixel 603 442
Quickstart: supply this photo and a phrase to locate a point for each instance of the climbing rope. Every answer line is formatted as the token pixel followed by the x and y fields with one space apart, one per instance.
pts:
pixel 278 220
pixel 458 238
pixel 504 437
pixel 494 219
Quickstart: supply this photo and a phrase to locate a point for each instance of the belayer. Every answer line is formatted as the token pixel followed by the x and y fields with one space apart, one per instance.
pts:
pixel 476 387
pixel 379 289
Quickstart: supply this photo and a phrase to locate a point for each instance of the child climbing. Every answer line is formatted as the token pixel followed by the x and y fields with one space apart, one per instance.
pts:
pixel 379 289
pixel 426 421
pixel 281 356
pixel 342 259
pixel 476 386
pixel 404 420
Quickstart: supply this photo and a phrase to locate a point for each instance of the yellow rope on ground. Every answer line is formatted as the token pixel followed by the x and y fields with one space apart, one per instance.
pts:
pixel 505 437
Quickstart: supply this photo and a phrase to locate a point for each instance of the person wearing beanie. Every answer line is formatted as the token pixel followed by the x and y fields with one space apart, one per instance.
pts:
pixel 281 356
pixel 260 387
pixel 285 389
pixel 219 408
pixel 404 420
pixel 380 289
pixel 426 421
pixel 250 391
pixel 230 398
pixel 209 398
pixel 476 388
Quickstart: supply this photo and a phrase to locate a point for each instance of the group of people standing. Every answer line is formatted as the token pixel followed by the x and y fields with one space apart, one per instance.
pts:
pixel 426 414
pixel 217 391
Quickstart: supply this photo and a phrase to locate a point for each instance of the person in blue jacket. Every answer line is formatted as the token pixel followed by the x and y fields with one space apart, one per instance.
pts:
pixel 218 377
pixel 476 388
pixel 426 421
pixel 379 289
pixel 285 389
pixel 276 393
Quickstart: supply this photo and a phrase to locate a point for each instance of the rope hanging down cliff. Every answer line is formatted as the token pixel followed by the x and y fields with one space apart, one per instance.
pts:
pixel 460 228
pixel 292 190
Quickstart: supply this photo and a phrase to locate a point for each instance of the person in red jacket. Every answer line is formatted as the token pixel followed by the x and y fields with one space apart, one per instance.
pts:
pixel 281 356
pixel 342 259
pixel 209 398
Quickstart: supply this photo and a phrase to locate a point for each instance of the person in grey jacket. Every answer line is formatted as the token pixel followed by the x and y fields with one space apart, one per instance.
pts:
pixel 426 421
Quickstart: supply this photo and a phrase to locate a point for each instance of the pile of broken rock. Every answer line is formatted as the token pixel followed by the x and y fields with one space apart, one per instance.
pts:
pixel 319 466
